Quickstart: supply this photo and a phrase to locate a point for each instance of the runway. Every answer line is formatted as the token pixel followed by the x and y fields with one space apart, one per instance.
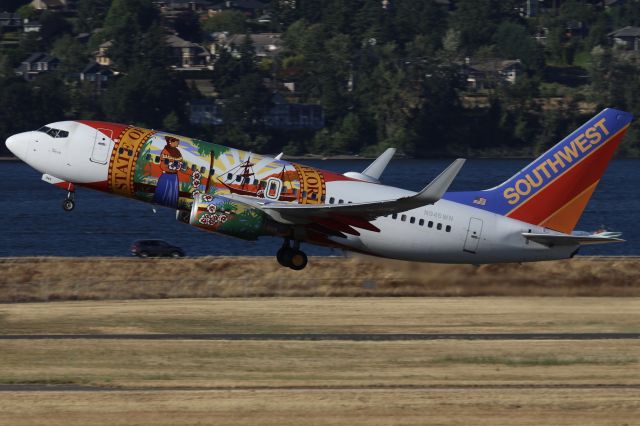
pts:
pixel 36 387
pixel 353 337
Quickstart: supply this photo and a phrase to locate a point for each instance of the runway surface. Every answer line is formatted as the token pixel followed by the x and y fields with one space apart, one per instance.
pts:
pixel 36 387
pixel 356 337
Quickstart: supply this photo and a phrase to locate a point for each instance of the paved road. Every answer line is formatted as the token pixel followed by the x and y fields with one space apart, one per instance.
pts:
pixel 35 387
pixel 356 337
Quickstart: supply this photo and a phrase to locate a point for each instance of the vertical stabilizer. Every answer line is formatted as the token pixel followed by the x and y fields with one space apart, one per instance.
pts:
pixel 555 188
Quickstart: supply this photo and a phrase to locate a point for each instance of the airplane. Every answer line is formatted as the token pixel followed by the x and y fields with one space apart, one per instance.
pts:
pixel 529 217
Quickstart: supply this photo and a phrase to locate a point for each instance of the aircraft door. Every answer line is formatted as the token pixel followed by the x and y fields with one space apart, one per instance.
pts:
pixel 473 235
pixel 101 145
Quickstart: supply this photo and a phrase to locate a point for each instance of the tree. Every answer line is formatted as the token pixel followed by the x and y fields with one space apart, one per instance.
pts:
pixel 71 53
pixel 145 96
pixel 514 42
pixel 54 25
pixel 231 21
pixel 91 14
pixel 133 26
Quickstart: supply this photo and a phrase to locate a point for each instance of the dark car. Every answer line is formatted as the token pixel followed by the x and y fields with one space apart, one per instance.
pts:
pixel 152 248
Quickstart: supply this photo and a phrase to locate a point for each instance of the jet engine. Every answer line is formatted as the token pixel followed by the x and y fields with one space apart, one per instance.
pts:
pixel 227 216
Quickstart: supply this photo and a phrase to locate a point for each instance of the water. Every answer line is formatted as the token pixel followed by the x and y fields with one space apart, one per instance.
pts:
pixel 103 225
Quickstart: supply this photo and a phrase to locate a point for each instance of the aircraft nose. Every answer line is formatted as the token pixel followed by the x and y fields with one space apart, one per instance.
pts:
pixel 17 146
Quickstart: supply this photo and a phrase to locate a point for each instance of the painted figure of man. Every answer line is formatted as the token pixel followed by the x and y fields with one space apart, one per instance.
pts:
pixel 168 188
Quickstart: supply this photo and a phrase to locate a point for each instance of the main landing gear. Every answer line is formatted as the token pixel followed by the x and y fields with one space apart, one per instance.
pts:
pixel 69 203
pixel 292 257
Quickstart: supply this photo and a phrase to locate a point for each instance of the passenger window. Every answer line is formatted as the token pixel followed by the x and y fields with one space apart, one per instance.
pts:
pixel 448 228
pixel 157 159
pixel 412 220
pixel 439 227
pixel 120 151
pixel 314 196
pixel 193 167
pixel 394 216
pixel 332 200
pixel 229 176
pixel 129 153
pixel 421 222
pixel 430 224
pixel 304 194
pixel 323 198
pixel 166 161
pixel 203 169
pixel 340 201
pixel 238 178
pixel 403 218
pixel 148 157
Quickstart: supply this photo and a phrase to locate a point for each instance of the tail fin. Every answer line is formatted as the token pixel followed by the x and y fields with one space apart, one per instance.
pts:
pixel 554 189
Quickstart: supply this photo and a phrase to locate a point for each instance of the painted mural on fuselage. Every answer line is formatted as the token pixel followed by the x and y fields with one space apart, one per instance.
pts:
pixel 169 169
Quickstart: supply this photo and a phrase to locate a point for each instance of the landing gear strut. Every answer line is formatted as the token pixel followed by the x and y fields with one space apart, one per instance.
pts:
pixel 69 203
pixel 292 257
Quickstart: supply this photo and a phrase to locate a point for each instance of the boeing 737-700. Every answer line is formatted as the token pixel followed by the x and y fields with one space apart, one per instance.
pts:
pixel 529 217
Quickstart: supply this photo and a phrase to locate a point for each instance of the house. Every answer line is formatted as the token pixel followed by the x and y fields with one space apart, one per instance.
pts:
pixel 294 116
pixel 50 4
pixel 188 55
pixel 10 22
pixel 264 44
pixel 36 64
pixel 168 6
pixel 31 26
pixel 205 112
pixel 102 55
pixel 491 73
pixel 251 8
pixel 626 38
pixel 96 74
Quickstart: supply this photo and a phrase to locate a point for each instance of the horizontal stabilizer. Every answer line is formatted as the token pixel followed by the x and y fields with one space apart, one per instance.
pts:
pixel 569 240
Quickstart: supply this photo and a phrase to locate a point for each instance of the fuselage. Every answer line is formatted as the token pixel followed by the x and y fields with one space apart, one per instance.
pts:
pixel 167 169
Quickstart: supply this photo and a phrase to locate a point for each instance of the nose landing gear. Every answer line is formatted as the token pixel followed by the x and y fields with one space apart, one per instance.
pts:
pixel 292 257
pixel 69 203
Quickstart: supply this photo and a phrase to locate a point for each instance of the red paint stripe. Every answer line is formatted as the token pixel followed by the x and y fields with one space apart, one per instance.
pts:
pixel 355 221
pixel 332 224
pixel 561 191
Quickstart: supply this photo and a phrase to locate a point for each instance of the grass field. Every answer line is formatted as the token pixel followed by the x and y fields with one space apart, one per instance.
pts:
pixel 190 382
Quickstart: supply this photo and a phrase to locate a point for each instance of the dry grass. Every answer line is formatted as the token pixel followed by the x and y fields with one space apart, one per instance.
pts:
pixel 326 315
pixel 326 364
pixel 46 279
pixel 324 382
pixel 331 407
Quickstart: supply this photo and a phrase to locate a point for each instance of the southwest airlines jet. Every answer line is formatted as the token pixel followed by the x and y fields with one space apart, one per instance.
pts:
pixel 530 217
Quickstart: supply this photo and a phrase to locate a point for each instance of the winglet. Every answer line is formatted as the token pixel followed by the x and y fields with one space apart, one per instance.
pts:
pixel 279 156
pixel 437 187
pixel 376 168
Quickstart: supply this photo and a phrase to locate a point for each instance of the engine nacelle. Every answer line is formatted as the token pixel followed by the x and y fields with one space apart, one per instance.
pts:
pixel 227 216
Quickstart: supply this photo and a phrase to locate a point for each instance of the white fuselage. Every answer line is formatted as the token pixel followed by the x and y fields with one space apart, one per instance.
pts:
pixel 458 233
pixel 445 232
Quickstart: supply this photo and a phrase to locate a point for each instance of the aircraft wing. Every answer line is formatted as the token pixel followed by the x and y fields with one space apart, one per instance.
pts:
pixel 343 217
pixel 569 240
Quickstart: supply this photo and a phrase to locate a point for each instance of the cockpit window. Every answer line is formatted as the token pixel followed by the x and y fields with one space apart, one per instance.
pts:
pixel 54 133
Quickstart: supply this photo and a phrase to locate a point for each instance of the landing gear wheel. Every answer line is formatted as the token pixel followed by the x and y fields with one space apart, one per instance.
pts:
pixel 283 255
pixel 68 204
pixel 297 260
